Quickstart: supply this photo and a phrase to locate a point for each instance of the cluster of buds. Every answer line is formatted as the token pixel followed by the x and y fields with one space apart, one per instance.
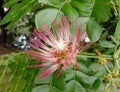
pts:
pixel 102 60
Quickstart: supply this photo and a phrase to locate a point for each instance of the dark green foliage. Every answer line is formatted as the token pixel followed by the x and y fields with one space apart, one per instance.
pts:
pixel 100 19
pixel 17 10
pixel 15 76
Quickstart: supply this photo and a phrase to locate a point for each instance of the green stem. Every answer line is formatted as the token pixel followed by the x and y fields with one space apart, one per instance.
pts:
pixel 94 56
pixel 108 70
pixel 87 53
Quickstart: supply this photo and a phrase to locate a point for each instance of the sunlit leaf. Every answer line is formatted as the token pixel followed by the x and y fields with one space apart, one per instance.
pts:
pixel 46 16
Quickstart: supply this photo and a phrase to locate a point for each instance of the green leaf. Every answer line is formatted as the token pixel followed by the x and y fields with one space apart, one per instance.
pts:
pixel 95 67
pixel 42 80
pixel 103 1
pixel 70 11
pixel 84 7
pixel 85 78
pixel 70 67
pixel 24 73
pixel 74 86
pixel 46 16
pixel 94 30
pixel 114 39
pixel 81 22
pixel 55 3
pixel 101 10
pixel 17 90
pixel 10 3
pixel 97 70
pixel 17 11
pixel 109 51
pixel 45 88
pixel 14 75
pixel 97 83
pixel 69 75
pixel 5 79
pixel 101 88
pixel 24 8
pixel 13 11
pixel 59 82
pixel 82 68
pixel 17 83
pixel 117 30
pixel 107 44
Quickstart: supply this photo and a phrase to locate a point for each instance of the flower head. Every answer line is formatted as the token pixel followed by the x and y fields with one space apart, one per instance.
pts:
pixel 56 49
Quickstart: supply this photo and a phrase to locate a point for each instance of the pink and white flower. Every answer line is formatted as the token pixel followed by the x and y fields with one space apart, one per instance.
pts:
pixel 56 49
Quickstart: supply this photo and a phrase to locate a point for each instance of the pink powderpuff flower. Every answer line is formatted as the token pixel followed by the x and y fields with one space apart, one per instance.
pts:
pixel 56 49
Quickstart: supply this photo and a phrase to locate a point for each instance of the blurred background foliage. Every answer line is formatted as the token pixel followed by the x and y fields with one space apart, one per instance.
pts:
pixel 101 20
